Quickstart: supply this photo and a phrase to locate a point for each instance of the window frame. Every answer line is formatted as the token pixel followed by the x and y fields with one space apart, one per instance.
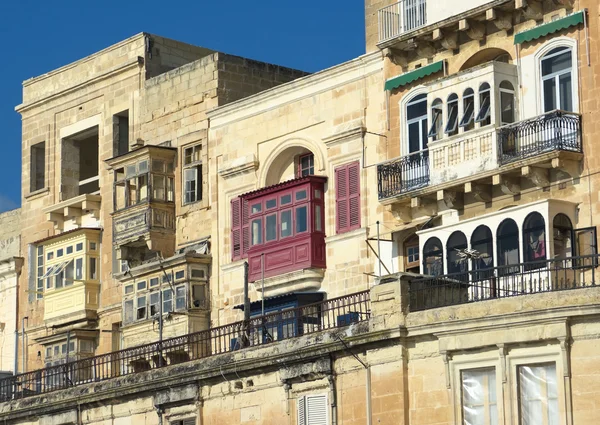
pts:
pixel 484 111
pixel 452 103
pixel 310 168
pixel 194 164
pixel 421 120
pixel 551 53
pixel 34 167
pixel 467 121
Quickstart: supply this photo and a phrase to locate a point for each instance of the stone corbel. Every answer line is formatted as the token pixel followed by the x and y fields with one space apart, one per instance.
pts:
pixel 502 20
pixel 396 57
pixel 401 213
pixel 508 185
pixel 450 199
pixel 56 219
pixel 425 49
pixel 566 167
pixel 446 357
pixel 425 206
pixel 503 350
pixel 91 207
pixel 480 192
pixel 566 3
pixel 531 9
pixel 564 348
pixel 449 40
pixel 474 29
pixel 536 175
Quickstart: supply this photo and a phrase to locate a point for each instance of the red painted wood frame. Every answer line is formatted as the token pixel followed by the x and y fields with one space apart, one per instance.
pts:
pixel 287 227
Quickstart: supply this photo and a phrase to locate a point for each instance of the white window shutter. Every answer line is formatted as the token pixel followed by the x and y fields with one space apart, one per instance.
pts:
pixel 301 411
pixel 316 409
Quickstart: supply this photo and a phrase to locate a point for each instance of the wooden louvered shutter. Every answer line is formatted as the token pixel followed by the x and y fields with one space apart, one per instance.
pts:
pixel 316 409
pixel 199 183
pixel 347 197
pixel 236 229
pixel 301 411
pixel 245 228
pixel 341 199
pixel 189 421
pixel 353 196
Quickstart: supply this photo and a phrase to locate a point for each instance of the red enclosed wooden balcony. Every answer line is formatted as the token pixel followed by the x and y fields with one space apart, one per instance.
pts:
pixel 286 227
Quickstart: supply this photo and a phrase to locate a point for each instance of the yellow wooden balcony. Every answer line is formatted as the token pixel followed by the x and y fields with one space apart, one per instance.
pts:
pixel 75 302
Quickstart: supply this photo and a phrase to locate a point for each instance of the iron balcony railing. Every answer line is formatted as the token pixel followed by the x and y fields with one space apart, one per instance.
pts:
pixel 555 130
pixel 501 282
pixel 333 313
pixel 403 174
pixel 401 17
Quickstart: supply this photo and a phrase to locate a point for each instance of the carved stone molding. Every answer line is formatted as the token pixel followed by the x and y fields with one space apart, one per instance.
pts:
pixel 401 213
pixel 245 164
pixel 509 185
pixel 536 175
pixel 450 199
pixel 474 29
pixel 396 57
pixel 502 20
pixel 480 192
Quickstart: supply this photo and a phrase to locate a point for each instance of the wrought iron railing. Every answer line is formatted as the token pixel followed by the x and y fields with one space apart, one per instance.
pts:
pixel 556 130
pixel 501 282
pixel 329 314
pixel 401 17
pixel 403 174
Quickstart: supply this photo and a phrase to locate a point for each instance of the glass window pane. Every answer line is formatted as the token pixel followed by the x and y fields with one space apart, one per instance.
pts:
pixel 79 247
pixel 143 167
pixel 93 271
pixel 141 308
pixel 141 285
pixel 417 107
pixel 190 177
pixel 479 404
pixel 69 273
pixel 565 89
pixel 154 303
pixel 59 253
pixel 79 268
pixel 538 394
pixel 158 187
pixel 553 64
pixel 318 219
pixel 507 107
pixel 301 219
pixel 414 137
pixel 180 298
pixel 550 95
pixel 256 208
pixel 154 281
pixel 167 301
pixel 158 166
pixel 286 199
pixel 256 231
pixel 286 223
pixel 271 203
pixel 300 195
pixel 271 227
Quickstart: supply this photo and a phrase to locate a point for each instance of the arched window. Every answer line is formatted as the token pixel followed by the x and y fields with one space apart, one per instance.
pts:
pixel 437 120
pixel 534 241
pixel 416 121
pixel 507 103
pixel 557 79
pixel 467 121
pixel 452 126
pixel 483 251
pixel 507 239
pixel 433 255
pixel 562 233
pixel 484 113
pixel 456 243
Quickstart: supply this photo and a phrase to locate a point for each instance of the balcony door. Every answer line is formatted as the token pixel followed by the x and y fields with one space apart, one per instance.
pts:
pixel 414 14
pixel 416 170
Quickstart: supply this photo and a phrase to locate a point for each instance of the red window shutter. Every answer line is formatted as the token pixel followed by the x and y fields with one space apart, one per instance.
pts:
pixel 236 229
pixel 245 228
pixel 354 196
pixel 347 197
pixel 341 199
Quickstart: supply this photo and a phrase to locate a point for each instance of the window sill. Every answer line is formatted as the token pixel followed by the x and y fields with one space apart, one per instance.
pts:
pixel 37 193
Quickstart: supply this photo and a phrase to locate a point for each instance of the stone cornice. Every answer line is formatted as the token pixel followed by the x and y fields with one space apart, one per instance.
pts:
pixel 345 132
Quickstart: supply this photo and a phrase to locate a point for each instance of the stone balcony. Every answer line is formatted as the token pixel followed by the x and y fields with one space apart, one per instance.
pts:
pixel 80 211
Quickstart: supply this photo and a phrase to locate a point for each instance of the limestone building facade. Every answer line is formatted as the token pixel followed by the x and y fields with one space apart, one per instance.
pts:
pixel 405 238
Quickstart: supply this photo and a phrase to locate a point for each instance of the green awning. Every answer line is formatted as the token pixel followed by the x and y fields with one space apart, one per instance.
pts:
pixel 549 28
pixel 409 77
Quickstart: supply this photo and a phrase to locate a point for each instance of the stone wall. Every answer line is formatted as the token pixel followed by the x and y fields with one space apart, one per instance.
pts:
pixel 10 234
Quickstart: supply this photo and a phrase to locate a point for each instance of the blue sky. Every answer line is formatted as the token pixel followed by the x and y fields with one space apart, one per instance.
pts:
pixel 41 35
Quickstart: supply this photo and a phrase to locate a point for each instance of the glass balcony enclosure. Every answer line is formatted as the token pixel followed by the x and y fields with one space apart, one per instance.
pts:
pixel 68 267
pixel 286 227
